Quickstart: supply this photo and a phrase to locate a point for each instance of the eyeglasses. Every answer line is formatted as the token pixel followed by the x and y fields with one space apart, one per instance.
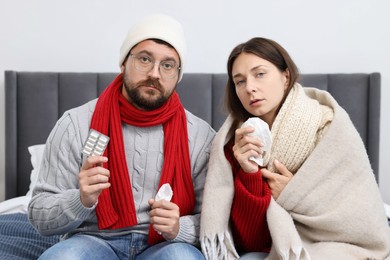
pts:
pixel 145 63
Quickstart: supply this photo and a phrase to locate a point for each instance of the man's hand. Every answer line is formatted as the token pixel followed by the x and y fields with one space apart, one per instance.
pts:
pixel 93 179
pixel 277 181
pixel 246 146
pixel 164 216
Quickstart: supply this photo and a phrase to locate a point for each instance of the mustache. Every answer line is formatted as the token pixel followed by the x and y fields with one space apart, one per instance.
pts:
pixel 149 82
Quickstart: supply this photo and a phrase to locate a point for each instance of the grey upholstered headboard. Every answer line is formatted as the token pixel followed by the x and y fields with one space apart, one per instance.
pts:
pixel 35 100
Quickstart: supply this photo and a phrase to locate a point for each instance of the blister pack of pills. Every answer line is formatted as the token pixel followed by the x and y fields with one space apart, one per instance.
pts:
pixel 95 144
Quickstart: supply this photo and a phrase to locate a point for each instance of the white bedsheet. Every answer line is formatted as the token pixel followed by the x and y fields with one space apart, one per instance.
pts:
pixel 15 205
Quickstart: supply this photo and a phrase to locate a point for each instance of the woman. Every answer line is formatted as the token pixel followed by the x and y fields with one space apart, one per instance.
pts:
pixel 316 195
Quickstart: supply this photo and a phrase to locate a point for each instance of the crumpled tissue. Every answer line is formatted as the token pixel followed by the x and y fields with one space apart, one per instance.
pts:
pixel 263 133
pixel 164 193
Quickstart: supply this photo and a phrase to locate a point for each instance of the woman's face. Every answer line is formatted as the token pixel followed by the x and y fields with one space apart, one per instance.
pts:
pixel 260 85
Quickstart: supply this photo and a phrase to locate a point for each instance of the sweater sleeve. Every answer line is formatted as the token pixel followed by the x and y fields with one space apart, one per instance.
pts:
pixel 252 196
pixel 56 207
pixel 248 213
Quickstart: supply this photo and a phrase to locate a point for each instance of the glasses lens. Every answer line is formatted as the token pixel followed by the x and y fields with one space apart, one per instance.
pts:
pixel 142 62
pixel 167 69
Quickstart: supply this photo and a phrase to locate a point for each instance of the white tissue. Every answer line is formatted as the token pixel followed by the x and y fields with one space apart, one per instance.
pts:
pixel 263 133
pixel 387 210
pixel 164 193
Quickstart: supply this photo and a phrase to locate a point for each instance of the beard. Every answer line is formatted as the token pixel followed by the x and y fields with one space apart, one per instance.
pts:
pixel 148 99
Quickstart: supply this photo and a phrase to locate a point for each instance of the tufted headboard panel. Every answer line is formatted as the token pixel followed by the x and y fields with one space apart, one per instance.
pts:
pixel 35 100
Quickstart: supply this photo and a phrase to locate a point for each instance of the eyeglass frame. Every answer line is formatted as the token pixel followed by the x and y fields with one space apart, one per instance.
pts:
pixel 135 57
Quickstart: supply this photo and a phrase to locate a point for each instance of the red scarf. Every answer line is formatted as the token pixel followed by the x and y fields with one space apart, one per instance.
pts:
pixel 116 204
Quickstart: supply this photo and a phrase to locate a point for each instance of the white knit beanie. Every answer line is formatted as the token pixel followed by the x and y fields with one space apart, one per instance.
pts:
pixel 157 26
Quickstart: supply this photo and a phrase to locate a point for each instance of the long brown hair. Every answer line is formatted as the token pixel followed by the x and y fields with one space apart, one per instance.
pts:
pixel 266 49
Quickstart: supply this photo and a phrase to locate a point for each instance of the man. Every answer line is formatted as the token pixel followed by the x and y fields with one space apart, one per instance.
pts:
pixel 104 206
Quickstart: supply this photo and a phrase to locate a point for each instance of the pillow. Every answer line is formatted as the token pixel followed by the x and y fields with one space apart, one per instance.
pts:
pixel 36 152
pixel 19 204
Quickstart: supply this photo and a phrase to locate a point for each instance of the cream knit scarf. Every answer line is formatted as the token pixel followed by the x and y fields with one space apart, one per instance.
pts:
pixel 294 131
pixel 294 134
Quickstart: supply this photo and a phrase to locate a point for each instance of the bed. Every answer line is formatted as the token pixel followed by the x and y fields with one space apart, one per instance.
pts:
pixel 35 100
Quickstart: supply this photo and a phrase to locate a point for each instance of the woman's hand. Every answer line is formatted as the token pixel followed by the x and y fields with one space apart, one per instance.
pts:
pixel 246 146
pixel 277 181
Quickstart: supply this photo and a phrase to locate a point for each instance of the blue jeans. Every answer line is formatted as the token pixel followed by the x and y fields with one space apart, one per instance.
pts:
pixel 133 246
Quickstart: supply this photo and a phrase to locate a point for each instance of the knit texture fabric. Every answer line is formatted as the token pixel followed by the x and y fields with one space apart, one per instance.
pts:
pixel 156 26
pixel 295 129
pixel 332 200
pixel 252 196
pixel 144 149
pixel 295 133
pixel 116 205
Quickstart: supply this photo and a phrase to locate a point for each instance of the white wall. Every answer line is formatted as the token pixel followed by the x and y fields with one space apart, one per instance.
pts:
pixel 322 37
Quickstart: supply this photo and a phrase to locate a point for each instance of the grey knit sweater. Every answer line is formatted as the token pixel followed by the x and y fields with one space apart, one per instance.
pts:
pixel 56 207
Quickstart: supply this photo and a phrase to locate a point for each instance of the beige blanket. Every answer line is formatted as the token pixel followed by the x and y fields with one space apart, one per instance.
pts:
pixel 331 209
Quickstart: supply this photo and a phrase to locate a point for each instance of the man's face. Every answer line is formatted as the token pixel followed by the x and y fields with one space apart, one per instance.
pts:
pixel 149 90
